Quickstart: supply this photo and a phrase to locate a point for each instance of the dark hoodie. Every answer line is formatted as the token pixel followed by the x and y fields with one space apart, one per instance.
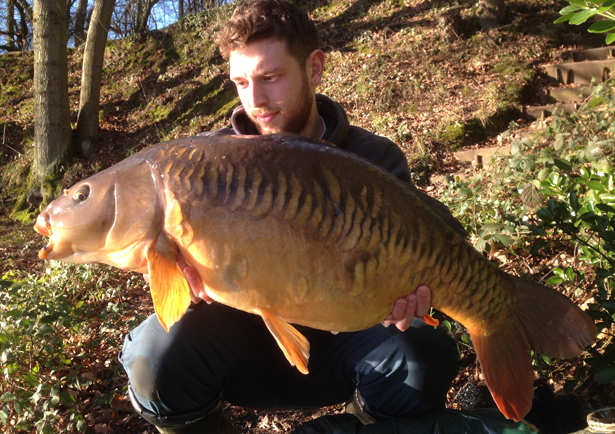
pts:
pixel 338 131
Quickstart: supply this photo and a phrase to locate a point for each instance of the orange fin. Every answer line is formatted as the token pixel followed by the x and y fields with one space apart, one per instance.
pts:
pixel 543 320
pixel 169 289
pixel 295 346
pixel 507 366
pixel 430 320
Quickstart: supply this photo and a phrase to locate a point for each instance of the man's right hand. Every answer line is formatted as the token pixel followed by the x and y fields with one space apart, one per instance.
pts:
pixel 194 280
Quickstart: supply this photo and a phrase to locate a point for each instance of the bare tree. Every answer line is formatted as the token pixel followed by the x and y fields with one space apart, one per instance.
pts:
pixel 17 33
pixel 52 132
pixel 10 27
pixel 132 16
pixel 80 16
pixel 144 10
pixel 181 13
pixel 87 122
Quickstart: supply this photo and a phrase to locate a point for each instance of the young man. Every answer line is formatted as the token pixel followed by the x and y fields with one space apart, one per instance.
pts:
pixel 178 380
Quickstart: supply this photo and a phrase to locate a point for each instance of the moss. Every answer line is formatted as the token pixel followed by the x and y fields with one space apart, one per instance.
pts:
pixel 33 194
pixel 24 215
pixel 458 134
pixel 226 102
pixel 51 187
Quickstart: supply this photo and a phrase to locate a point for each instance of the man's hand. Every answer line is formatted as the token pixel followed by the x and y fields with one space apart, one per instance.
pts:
pixel 406 308
pixel 194 281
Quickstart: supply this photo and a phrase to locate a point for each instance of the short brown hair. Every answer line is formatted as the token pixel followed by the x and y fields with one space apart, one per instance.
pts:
pixel 257 20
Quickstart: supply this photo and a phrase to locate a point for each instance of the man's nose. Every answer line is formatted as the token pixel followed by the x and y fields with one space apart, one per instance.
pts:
pixel 258 97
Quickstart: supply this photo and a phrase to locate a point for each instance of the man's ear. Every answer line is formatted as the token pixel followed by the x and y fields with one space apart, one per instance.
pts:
pixel 316 66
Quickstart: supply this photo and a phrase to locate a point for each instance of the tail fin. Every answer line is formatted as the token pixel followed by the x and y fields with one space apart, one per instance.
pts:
pixel 544 321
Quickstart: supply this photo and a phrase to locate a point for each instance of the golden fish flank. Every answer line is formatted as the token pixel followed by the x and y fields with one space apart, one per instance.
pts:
pixel 300 232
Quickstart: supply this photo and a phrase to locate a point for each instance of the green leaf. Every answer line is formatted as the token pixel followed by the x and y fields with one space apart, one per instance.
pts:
pixel 562 163
pixel 81 426
pixel 605 208
pixel 583 16
pixel 506 240
pixel 554 280
pixel 608 4
pixel 610 38
pixel 4 416
pixel 579 3
pixel 565 18
pixel 7 397
pixel 596 185
pixel 31 379
pixel 515 147
pixel 574 201
pixel 569 9
pixel 5 284
pixel 68 399
pixel 605 375
pixel 602 26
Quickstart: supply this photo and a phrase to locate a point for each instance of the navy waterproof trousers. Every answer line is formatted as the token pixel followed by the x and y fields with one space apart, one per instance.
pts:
pixel 217 352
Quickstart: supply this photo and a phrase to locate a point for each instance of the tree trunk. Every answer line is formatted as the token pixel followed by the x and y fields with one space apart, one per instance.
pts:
pixel 181 14
pixel 10 26
pixel 144 9
pixel 491 13
pixel 52 133
pixel 80 15
pixel 24 34
pixel 93 57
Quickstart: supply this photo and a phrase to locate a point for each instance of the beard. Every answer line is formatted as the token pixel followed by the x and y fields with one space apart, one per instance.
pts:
pixel 292 119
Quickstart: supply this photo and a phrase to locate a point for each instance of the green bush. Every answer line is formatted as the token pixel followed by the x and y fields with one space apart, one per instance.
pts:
pixel 46 334
pixel 556 192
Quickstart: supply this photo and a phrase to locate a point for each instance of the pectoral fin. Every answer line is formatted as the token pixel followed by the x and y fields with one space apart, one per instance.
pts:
pixel 170 291
pixel 295 346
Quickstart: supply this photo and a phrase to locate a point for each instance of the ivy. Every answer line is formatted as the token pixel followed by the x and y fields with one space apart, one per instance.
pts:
pixel 556 191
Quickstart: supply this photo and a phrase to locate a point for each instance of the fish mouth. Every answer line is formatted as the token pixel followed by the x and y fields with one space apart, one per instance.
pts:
pixel 42 226
pixel 58 252
pixel 45 251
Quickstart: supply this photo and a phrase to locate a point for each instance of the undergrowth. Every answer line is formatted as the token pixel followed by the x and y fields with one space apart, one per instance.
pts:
pixel 50 330
pixel 554 193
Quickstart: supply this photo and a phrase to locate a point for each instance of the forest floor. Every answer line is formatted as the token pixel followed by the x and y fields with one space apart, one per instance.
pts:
pixel 399 67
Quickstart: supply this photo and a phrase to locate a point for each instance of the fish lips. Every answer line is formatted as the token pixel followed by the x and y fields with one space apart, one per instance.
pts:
pixel 55 251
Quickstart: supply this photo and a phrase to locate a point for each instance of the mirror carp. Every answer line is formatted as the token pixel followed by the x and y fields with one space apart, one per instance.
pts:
pixel 300 232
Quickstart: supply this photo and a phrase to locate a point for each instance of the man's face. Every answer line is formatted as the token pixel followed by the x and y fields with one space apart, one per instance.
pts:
pixel 273 87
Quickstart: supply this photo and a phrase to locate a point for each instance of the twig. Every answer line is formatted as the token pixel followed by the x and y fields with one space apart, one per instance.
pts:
pixel 4 142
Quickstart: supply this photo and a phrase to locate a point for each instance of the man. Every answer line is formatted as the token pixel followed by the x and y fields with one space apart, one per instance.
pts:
pixel 179 380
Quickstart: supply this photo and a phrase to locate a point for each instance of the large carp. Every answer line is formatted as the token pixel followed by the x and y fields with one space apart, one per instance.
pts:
pixel 301 232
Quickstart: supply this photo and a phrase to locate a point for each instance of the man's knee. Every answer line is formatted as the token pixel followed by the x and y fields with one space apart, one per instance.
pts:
pixel 164 369
pixel 410 373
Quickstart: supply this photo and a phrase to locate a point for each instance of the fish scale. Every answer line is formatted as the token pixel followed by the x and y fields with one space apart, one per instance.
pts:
pixel 297 231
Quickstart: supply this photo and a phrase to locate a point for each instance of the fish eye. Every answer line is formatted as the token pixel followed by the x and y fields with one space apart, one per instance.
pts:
pixel 82 193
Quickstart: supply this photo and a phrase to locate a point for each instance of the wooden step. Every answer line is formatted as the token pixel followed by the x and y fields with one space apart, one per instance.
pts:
pixel 600 53
pixel 564 94
pixel 580 72
pixel 542 112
